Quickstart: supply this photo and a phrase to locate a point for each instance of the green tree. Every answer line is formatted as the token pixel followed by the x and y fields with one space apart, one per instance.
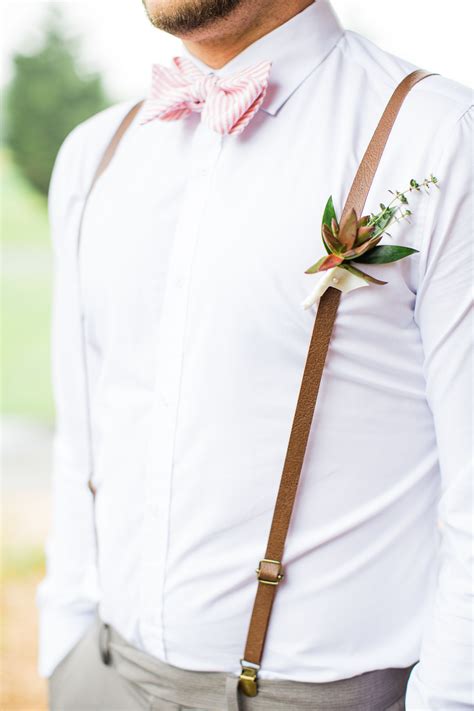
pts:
pixel 48 95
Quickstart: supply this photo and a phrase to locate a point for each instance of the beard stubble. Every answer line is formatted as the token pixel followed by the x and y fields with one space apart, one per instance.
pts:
pixel 190 15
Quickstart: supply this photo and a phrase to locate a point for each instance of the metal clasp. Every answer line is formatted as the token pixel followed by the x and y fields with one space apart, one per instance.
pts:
pixel 248 678
pixel 104 639
pixel 278 574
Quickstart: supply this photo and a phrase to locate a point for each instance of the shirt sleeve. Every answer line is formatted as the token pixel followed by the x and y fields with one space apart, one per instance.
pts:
pixel 68 594
pixel 442 680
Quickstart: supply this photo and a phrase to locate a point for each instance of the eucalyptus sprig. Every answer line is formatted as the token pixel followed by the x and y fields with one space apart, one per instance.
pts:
pixel 356 240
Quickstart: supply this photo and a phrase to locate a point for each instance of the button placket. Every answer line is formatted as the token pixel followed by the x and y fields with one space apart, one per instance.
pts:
pixel 205 151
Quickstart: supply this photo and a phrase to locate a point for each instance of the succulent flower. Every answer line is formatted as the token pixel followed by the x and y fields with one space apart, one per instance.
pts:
pixel 351 238
pixel 355 239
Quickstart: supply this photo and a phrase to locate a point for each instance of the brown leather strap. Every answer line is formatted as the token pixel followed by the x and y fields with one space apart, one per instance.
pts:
pixel 104 162
pixel 371 159
pixel 270 571
pixel 115 140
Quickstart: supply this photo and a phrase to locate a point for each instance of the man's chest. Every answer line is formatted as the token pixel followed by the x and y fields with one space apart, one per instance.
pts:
pixel 193 256
pixel 197 226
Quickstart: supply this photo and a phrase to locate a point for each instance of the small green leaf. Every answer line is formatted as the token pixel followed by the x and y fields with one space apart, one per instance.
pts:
pixel 329 213
pixel 381 222
pixel 360 273
pixel 384 254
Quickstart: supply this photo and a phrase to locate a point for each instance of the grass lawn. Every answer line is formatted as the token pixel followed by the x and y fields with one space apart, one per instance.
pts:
pixel 26 394
pixel 26 297
pixel 23 216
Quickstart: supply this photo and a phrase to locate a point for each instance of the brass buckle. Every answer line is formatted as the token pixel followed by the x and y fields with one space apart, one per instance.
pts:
pixel 248 678
pixel 280 574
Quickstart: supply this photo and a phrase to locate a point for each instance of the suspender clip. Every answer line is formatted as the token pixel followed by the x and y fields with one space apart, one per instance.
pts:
pixel 248 678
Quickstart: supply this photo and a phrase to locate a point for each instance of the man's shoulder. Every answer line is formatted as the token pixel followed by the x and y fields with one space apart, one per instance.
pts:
pixel 83 147
pixel 77 161
pixel 436 99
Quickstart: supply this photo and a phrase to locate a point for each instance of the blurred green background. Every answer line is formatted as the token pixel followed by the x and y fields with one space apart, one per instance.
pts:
pixel 26 286
pixel 48 94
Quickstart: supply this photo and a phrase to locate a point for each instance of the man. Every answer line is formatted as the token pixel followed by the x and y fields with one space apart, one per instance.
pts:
pixel 188 284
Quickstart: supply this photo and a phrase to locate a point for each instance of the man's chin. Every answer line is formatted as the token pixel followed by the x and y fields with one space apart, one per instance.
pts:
pixel 185 18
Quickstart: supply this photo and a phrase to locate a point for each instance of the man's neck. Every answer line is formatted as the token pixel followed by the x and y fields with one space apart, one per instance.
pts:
pixel 245 26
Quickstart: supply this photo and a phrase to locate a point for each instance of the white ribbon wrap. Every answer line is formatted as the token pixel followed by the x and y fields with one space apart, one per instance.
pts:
pixel 338 278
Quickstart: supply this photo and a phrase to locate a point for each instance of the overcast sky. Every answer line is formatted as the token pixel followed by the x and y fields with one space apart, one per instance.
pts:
pixel 120 42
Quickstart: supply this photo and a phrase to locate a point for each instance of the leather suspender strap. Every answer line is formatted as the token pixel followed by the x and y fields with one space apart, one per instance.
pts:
pixel 270 570
pixel 115 140
pixel 371 159
pixel 104 161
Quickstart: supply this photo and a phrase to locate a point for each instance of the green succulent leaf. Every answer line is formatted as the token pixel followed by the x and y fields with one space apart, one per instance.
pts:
pixel 326 246
pixel 329 213
pixel 384 254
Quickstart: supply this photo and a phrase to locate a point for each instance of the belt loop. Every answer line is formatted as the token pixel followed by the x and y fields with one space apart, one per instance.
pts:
pixel 232 693
pixel 104 638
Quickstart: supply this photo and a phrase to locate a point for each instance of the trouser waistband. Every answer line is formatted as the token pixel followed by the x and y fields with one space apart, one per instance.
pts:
pixel 218 691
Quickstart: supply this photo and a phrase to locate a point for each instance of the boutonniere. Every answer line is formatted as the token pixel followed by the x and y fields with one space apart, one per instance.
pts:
pixel 355 241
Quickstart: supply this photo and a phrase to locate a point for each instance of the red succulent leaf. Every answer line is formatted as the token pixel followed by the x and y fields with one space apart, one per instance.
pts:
pixel 335 227
pixel 373 241
pixel 362 248
pixel 348 230
pixel 330 240
pixel 330 261
pixel 327 262
pixel 363 234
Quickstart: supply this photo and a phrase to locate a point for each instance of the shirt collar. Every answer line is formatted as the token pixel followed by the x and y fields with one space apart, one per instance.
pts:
pixel 295 49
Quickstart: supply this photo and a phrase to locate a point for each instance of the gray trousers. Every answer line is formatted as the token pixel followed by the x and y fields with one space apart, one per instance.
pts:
pixel 103 672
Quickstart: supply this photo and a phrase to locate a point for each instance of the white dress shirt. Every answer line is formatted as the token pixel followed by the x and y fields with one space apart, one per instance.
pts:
pixel 191 271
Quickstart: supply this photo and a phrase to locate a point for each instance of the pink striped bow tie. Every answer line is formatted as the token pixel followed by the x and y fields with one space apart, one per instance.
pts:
pixel 226 104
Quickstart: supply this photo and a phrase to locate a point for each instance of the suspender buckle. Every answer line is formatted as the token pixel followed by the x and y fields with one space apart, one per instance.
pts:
pixel 270 572
pixel 248 678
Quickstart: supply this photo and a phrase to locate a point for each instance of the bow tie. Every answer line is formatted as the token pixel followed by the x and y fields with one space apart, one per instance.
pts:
pixel 226 104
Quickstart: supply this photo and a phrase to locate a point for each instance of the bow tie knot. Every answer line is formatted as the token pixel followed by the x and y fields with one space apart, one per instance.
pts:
pixel 199 92
pixel 227 104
